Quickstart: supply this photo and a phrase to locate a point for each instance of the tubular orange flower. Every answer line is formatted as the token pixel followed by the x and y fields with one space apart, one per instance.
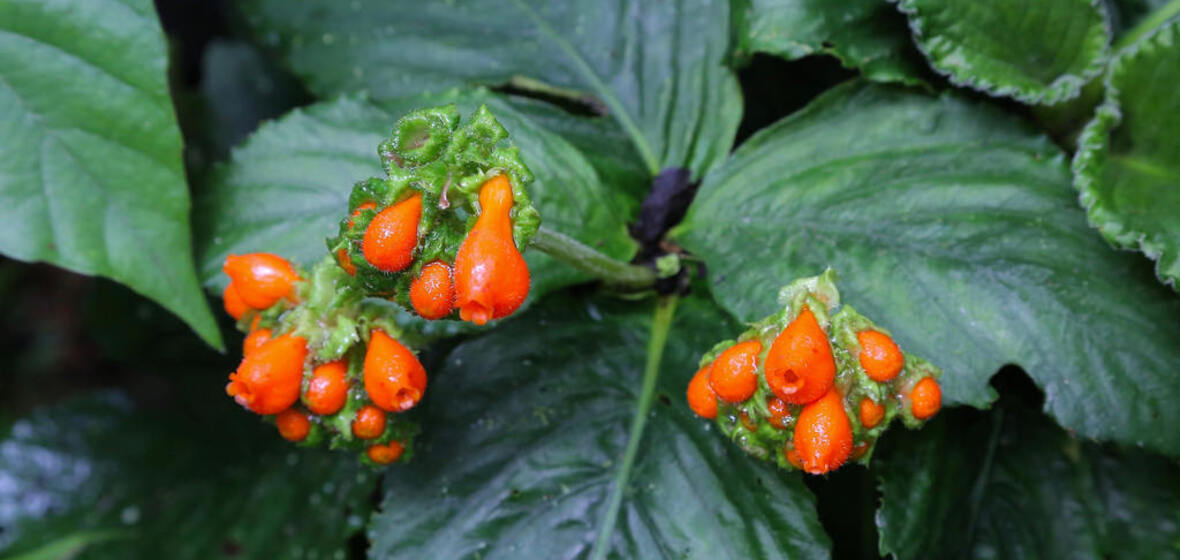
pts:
pixel 823 434
pixel 491 276
pixel 394 378
pixel 268 380
pixel 800 367
pixel 261 279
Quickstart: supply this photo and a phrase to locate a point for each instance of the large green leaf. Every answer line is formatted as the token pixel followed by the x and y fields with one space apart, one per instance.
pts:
pixel 1128 162
pixel 91 177
pixel 1127 15
pixel 657 67
pixel 528 426
pixel 867 35
pixel 1036 51
pixel 1010 484
pixel 286 189
pixel 199 481
pixel 954 225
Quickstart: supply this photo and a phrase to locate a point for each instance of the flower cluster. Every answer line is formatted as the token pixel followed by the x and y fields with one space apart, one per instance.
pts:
pixel 441 234
pixel 324 357
pixel 813 385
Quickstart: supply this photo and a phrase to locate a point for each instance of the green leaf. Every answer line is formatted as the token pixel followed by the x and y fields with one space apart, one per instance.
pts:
pixel 954 226
pixel 240 88
pixel 91 177
pixel 528 429
pixel 1010 484
pixel 866 35
pixel 195 481
pixel 1127 167
pixel 657 67
pixel 1127 16
pixel 286 189
pixel 1002 47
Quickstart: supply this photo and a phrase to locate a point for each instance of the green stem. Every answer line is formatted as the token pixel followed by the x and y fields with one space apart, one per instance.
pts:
pixel 614 273
pixel 1148 24
pixel 661 324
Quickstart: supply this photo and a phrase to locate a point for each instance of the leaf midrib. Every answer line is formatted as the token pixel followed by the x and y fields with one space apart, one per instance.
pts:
pixel 605 93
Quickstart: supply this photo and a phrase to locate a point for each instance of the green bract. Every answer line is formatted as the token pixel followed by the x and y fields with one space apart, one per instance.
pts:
pixel 749 423
pixel 431 154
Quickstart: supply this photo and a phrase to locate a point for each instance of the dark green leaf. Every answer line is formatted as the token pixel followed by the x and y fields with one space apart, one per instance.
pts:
pixel 1036 51
pixel 954 226
pixel 528 427
pixel 1011 484
pixel 1128 162
pixel 656 67
pixel 287 188
pixel 867 35
pixel 91 177
pixel 240 88
pixel 1125 15
pixel 201 481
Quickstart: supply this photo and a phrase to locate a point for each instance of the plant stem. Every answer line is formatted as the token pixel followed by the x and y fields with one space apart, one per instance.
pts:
pixel 660 325
pixel 1149 23
pixel 614 273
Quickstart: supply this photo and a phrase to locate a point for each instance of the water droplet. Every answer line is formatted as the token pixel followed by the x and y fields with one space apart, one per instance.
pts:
pixel 129 515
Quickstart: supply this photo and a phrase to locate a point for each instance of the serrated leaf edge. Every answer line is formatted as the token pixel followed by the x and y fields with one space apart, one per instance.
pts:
pixel 1090 155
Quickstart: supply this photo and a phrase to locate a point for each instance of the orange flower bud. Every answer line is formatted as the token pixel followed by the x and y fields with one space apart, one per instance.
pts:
pixel 800 367
pixel 293 425
pixel 268 380
pixel 234 305
pixel 925 398
pixel 392 236
pixel 701 398
pixel 394 378
pixel 254 341
pixel 823 434
pixel 871 413
pixel 369 423
pixel 880 357
pixel 491 276
pixel 386 454
pixel 261 279
pixel 327 392
pixel 432 293
pixel 735 372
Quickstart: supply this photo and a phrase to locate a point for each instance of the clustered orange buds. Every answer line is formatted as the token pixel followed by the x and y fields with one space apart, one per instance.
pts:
pixel 355 398
pixel 441 236
pixel 823 390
